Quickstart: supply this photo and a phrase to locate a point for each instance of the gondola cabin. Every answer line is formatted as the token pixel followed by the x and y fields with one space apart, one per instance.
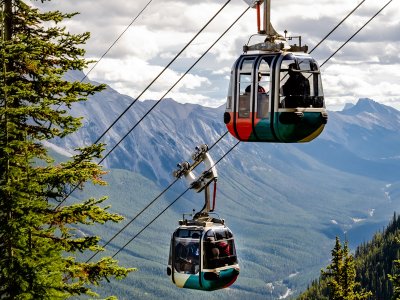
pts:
pixel 203 255
pixel 275 97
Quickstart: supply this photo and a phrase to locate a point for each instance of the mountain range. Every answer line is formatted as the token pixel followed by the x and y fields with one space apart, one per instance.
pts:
pixel 285 203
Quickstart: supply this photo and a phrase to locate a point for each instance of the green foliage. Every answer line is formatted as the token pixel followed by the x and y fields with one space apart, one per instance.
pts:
pixel 339 278
pixel 376 265
pixel 38 238
pixel 335 272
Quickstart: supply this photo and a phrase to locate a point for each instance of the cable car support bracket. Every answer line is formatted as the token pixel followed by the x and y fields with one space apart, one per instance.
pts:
pixel 274 42
pixel 202 182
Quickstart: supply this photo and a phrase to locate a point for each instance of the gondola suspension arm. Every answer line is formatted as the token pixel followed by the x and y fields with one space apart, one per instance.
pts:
pixel 203 181
pixel 273 40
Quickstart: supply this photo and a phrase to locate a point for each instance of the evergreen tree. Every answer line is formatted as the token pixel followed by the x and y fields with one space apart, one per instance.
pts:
pixel 38 239
pixel 341 275
pixel 351 288
pixel 333 272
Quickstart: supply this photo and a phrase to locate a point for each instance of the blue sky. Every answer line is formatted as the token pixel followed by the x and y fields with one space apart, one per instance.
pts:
pixel 366 67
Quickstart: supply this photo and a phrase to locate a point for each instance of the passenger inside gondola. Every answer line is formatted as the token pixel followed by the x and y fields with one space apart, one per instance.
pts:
pixel 222 245
pixel 260 87
pixel 296 88
pixel 212 253
pixel 220 250
pixel 187 254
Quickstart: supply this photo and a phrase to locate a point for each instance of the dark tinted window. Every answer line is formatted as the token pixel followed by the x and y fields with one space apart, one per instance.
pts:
pixel 219 249
pixel 187 255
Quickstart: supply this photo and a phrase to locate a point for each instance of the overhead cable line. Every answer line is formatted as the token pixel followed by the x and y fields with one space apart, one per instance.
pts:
pixel 133 219
pixel 148 205
pixel 123 247
pixel 120 116
pixel 340 23
pixel 166 93
pixel 373 17
pixel 158 76
pixel 116 40
pixel 112 45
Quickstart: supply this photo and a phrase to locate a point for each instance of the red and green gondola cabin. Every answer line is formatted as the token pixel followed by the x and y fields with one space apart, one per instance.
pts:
pixel 275 97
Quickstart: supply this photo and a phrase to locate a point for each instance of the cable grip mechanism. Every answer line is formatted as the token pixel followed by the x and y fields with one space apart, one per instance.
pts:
pixel 201 182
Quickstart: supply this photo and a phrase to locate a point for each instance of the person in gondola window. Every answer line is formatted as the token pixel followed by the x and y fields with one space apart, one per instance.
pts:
pixel 223 246
pixel 187 257
pixel 260 88
pixel 296 89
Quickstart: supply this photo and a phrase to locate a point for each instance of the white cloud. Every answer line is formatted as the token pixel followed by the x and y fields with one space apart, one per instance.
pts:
pixel 346 83
pixel 364 67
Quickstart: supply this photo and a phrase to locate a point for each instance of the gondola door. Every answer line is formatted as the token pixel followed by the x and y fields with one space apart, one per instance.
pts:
pixel 263 99
pixel 242 95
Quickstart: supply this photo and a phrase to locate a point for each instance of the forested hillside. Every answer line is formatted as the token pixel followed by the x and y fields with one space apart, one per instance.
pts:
pixel 374 261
